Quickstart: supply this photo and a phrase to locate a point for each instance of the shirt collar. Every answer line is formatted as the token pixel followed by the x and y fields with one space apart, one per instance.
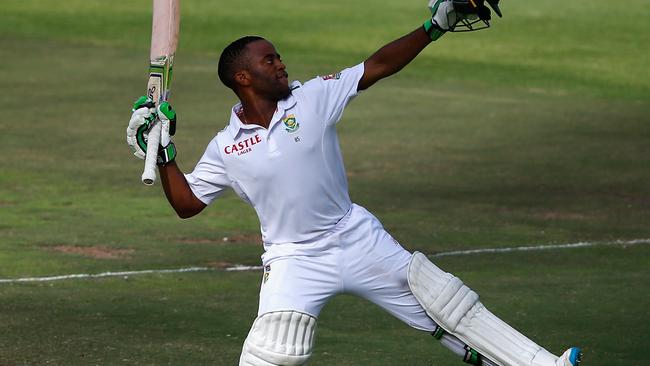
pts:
pixel 236 125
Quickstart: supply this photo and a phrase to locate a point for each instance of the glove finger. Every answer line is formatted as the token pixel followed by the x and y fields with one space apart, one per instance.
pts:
pixel 129 132
pixel 138 154
pixel 166 112
pixel 139 117
pixel 452 18
pixel 132 141
pixel 143 116
pixel 142 102
pixel 164 132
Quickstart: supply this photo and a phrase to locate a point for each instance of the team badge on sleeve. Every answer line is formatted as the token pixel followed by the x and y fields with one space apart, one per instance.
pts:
pixel 290 123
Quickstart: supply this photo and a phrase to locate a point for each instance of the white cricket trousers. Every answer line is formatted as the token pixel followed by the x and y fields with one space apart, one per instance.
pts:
pixel 357 256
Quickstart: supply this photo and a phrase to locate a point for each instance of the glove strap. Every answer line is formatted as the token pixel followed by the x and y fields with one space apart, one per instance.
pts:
pixel 433 30
pixel 166 154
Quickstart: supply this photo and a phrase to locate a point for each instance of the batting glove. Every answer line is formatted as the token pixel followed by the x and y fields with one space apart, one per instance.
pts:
pixel 167 149
pixel 144 116
pixel 442 20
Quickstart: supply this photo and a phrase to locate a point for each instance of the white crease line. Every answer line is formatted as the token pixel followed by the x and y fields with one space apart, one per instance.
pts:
pixel 242 268
pixel 104 274
pixel 540 247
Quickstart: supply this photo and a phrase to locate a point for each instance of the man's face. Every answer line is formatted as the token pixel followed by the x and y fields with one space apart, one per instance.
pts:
pixel 268 74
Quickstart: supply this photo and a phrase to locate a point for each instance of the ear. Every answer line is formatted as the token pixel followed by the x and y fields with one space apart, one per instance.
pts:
pixel 243 78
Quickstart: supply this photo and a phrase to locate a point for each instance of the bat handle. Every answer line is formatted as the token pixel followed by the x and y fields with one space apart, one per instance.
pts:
pixel 149 173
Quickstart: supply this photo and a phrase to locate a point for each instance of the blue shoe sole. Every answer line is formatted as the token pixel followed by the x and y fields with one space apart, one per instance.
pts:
pixel 576 356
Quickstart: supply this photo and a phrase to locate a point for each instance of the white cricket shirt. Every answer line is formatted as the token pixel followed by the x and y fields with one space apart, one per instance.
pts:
pixel 291 173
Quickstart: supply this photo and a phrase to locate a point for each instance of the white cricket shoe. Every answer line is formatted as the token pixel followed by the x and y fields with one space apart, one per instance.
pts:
pixel 570 357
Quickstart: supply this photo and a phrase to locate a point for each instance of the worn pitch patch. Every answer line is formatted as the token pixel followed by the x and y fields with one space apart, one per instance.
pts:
pixel 101 252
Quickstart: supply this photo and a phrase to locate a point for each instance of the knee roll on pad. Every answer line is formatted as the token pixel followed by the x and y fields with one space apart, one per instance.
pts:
pixel 281 338
pixel 439 293
pixel 457 309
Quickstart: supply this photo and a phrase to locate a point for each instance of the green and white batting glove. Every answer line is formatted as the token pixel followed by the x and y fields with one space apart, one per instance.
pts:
pixel 443 18
pixel 167 149
pixel 144 116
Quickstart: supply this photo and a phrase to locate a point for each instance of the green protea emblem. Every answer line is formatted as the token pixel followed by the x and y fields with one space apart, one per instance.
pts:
pixel 290 123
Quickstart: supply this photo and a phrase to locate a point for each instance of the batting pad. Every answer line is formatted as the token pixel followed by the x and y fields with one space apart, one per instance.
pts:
pixel 281 338
pixel 457 309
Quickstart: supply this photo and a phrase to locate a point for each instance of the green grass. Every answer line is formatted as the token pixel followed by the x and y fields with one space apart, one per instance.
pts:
pixel 535 131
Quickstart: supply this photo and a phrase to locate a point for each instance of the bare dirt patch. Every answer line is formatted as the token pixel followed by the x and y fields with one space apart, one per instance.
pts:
pixel 558 215
pixel 255 239
pixel 101 252
pixel 219 264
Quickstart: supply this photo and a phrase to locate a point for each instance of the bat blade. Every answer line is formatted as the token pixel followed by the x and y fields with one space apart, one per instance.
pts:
pixel 164 40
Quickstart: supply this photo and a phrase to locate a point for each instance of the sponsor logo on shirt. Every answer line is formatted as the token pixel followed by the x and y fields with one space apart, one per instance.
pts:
pixel 244 146
pixel 290 123
pixel 332 76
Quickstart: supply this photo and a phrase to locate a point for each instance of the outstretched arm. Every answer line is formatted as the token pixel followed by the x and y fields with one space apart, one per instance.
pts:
pixel 393 57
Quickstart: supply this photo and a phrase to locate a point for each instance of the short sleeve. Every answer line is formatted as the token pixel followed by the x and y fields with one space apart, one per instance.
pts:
pixel 209 178
pixel 330 94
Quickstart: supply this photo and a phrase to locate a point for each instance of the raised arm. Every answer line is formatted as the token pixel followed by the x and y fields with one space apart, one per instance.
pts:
pixel 395 55
pixel 178 192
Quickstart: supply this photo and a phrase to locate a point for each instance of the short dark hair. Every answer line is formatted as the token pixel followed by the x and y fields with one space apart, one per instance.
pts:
pixel 231 61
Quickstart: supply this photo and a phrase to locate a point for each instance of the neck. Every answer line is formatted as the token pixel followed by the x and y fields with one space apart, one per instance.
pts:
pixel 258 111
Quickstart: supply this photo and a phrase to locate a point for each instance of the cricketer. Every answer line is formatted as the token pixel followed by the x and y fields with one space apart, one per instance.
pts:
pixel 280 153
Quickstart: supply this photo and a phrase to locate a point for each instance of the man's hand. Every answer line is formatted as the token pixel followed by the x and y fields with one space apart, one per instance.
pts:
pixel 143 117
pixel 442 20
pixel 470 15
pixel 167 117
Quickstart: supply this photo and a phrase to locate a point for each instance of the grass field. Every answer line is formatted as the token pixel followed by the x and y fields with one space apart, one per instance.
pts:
pixel 534 132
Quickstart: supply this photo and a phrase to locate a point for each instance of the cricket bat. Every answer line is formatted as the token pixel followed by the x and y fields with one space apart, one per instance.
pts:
pixel 164 39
